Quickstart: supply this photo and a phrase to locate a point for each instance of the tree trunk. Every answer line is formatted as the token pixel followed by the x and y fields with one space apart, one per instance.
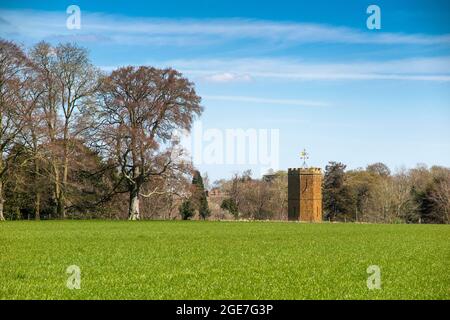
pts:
pixel 59 195
pixel 62 202
pixel 2 218
pixel 37 206
pixel 64 188
pixel 61 182
pixel 133 210
pixel 57 190
pixel 60 206
pixel 37 200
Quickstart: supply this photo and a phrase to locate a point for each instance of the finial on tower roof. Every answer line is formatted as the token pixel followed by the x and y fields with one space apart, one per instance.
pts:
pixel 305 156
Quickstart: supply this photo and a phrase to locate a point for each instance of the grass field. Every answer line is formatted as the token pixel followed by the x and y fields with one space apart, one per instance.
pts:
pixel 222 260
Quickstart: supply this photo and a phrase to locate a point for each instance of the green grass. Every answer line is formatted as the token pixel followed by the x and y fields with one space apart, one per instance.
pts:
pixel 222 260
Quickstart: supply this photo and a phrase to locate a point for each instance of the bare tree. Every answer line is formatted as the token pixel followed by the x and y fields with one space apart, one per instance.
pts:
pixel 14 72
pixel 441 197
pixel 141 108
pixel 70 82
pixel 43 57
pixel 404 205
pixel 32 134
pixel 279 187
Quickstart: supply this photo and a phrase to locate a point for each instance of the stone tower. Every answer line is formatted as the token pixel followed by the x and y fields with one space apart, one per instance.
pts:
pixel 305 194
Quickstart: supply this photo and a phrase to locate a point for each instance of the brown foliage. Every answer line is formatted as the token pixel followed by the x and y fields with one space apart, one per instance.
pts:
pixel 141 109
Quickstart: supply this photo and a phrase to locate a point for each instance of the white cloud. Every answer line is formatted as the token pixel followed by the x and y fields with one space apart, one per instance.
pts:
pixel 262 100
pixel 413 69
pixel 228 77
pixel 435 69
pixel 124 30
pixel 119 30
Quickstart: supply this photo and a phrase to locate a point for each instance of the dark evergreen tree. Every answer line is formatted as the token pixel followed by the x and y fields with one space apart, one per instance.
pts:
pixel 337 199
pixel 199 196
pixel 186 210
pixel 230 205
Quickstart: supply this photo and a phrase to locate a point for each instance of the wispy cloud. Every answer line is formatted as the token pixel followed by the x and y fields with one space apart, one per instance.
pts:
pixel 221 71
pixel 260 100
pixel 119 30
pixel 125 30
pixel 228 77
pixel 412 69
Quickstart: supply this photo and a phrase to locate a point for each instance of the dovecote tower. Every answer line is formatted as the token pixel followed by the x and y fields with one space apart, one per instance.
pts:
pixel 305 194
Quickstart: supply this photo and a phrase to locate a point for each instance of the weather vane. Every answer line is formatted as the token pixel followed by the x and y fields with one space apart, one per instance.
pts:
pixel 304 156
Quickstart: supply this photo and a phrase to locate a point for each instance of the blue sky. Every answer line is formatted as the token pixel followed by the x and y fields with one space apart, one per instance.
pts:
pixel 310 69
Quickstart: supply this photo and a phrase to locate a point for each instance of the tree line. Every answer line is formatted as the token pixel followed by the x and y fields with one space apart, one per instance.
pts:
pixel 76 141
pixel 373 194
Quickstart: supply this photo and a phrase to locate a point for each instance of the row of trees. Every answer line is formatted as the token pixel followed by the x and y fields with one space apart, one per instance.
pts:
pixel 76 141
pixel 373 194
pixel 248 198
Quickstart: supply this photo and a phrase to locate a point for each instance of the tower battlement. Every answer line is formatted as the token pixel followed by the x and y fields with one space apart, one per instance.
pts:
pixel 311 170
pixel 305 194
